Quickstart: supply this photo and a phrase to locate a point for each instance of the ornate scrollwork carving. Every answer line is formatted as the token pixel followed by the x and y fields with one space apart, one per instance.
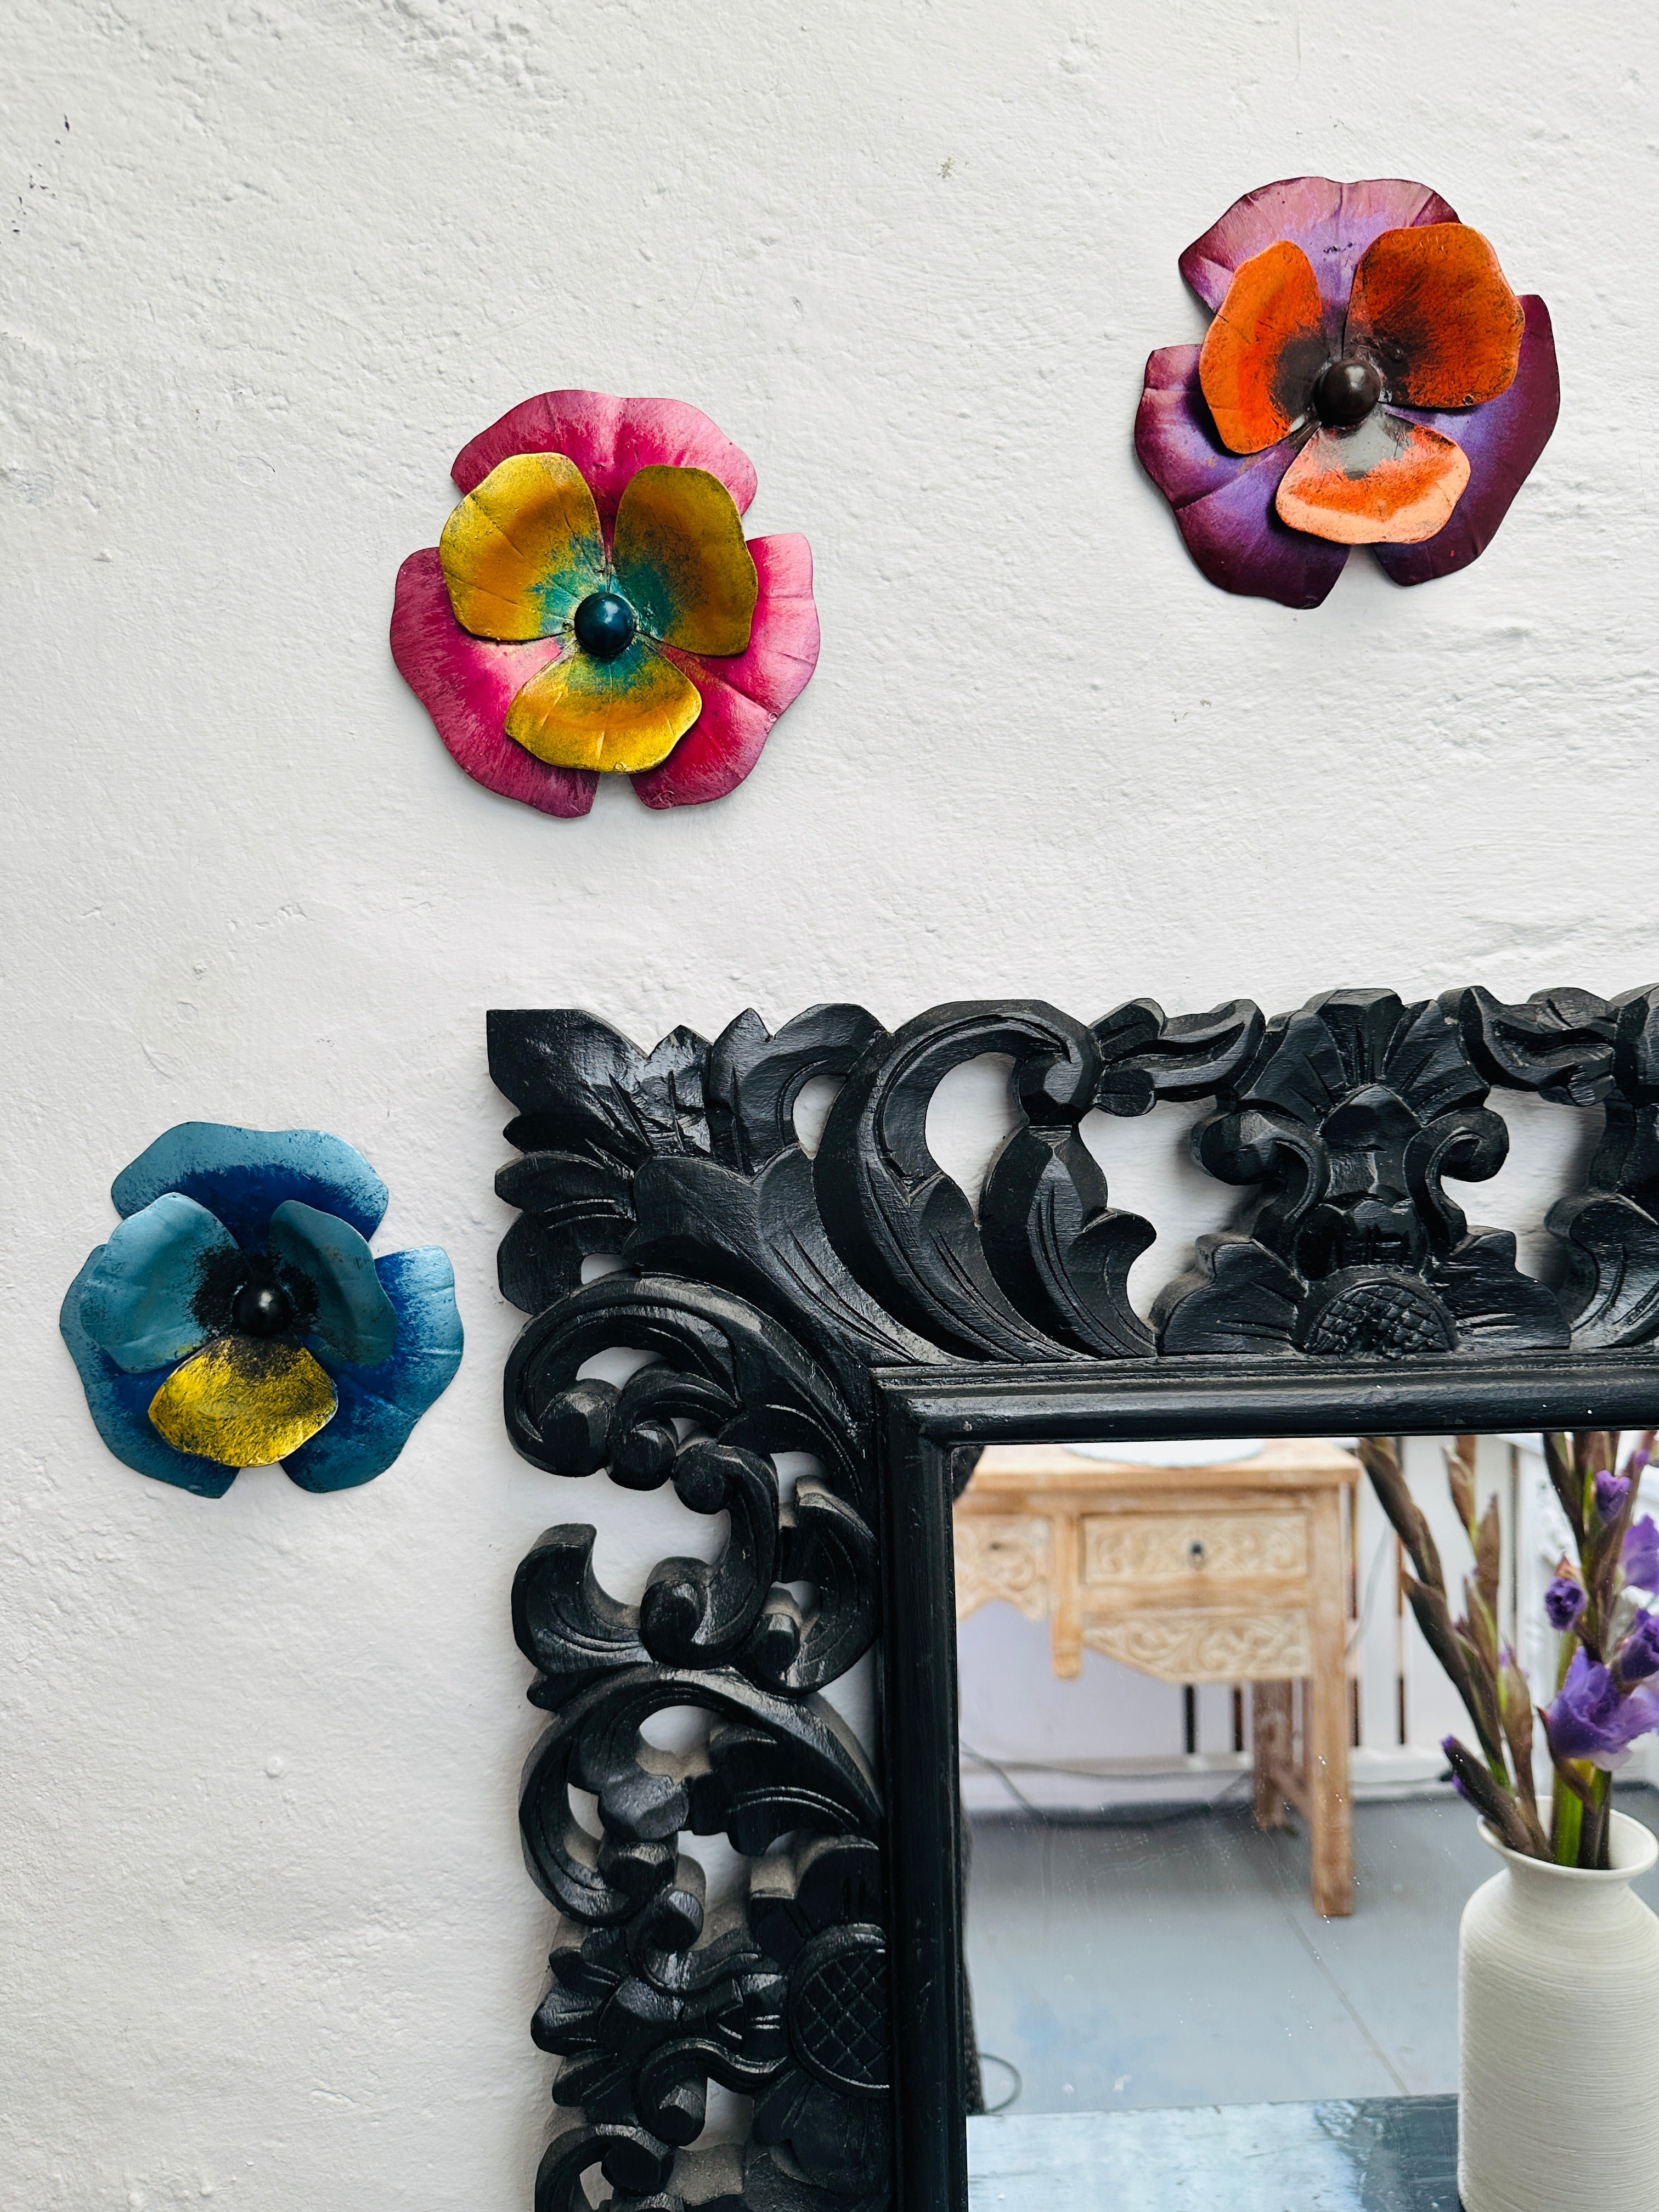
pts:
pixel 763 1284
pixel 1572 1048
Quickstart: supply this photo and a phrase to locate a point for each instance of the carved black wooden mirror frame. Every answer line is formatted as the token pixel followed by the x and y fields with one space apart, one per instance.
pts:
pixel 853 1305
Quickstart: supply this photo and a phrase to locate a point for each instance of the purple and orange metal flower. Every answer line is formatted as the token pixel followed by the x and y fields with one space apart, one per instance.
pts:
pixel 594 607
pixel 1369 379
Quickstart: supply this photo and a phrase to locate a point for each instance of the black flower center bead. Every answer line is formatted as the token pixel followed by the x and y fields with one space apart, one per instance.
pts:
pixel 261 1309
pixel 605 625
pixel 1346 392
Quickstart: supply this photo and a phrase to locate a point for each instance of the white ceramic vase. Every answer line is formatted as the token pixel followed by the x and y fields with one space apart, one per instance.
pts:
pixel 1557 2012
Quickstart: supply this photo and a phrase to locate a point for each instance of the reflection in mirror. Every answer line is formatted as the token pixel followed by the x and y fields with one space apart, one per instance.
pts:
pixel 1215 1853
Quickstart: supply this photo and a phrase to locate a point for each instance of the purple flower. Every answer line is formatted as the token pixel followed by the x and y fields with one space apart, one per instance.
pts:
pixel 1640 1556
pixel 1243 436
pixel 1612 1491
pixel 1563 1601
pixel 1637 1655
pixel 1447 1742
pixel 1590 1720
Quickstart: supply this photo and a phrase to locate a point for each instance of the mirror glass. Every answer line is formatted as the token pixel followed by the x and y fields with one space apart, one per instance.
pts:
pixel 1215 1854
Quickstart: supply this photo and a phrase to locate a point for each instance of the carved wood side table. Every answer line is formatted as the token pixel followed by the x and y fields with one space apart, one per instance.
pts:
pixel 1233 1573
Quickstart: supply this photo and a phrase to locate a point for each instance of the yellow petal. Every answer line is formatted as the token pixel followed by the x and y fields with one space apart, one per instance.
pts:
pixel 619 715
pixel 243 1401
pixel 521 551
pixel 681 561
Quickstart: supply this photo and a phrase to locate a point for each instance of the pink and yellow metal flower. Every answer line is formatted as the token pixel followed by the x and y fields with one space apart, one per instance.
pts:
pixel 593 607
pixel 1369 378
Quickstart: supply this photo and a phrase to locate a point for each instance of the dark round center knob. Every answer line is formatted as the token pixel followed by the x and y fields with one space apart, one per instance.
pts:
pixel 1347 393
pixel 261 1309
pixel 605 625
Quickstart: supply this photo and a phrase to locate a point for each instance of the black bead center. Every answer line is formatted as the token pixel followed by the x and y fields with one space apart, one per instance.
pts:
pixel 1346 392
pixel 605 625
pixel 261 1309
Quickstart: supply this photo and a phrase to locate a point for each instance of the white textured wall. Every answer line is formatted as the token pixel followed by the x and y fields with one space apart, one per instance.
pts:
pixel 267 1939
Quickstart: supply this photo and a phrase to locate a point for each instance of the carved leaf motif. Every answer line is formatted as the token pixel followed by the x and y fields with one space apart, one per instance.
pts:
pixel 578 1083
pixel 1146 1055
pixel 1208 1647
pixel 754 1078
pixel 1611 1287
pixel 902 1226
pixel 1002 1556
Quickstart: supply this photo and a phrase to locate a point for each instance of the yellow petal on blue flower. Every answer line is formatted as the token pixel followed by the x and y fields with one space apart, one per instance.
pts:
pixel 521 552
pixel 681 562
pixel 619 715
pixel 243 1401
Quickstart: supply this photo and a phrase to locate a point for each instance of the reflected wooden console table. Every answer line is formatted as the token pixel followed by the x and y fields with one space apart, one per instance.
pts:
pixel 1232 1573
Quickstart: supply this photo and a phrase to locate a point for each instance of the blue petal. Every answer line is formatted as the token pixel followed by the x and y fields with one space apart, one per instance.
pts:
pixel 378 1405
pixel 244 1174
pixel 138 1301
pixel 355 1317
pixel 120 1404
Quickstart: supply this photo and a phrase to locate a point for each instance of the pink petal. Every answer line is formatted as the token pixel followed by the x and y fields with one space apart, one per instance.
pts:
pixel 1223 501
pixel 609 440
pixel 1332 223
pixel 1503 440
pixel 743 696
pixel 466 684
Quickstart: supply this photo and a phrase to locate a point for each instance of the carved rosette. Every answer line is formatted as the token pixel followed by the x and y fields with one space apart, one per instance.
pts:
pixel 765 1284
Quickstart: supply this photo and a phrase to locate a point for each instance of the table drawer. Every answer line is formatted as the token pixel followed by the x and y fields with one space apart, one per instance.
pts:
pixel 1135 1549
pixel 1208 1647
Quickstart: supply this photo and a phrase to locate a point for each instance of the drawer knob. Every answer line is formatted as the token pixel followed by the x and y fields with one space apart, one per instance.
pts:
pixel 1195 1551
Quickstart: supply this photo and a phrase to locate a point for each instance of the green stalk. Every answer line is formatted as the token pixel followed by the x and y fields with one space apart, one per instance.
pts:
pixel 1566 1824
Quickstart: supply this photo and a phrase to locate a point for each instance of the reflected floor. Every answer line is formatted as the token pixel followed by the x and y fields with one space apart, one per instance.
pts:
pixel 1124 1967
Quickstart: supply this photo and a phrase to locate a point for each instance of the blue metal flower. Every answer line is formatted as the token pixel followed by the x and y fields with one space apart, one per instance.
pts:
pixel 237 1317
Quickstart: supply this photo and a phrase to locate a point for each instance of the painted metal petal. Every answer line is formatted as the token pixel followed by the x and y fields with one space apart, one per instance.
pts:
pixel 616 716
pixel 1435 312
pixel 610 441
pixel 1385 481
pixel 243 1175
pixel 120 1406
pixel 521 552
pixel 378 1405
pixel 1503 440
pixel 354 1314
pixel 139 1301
pixel 1223 502
pixel 1263 350
pixel 681 561
pixel 742 698
pixel 467 686
pixel 1333 223
pixel 244 1402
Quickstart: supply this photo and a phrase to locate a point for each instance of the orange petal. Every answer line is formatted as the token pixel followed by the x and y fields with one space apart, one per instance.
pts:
pixel 1263 350
pixel 1386 483
pixel 1432 308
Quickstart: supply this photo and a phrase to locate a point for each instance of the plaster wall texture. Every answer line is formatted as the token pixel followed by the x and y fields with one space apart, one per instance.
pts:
pixel 267 1937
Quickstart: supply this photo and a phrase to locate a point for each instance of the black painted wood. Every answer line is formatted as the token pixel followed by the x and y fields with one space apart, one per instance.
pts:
pixel 853 1305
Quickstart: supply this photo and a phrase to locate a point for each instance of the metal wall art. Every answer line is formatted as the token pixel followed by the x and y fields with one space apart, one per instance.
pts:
pixel 238 1318
pixel 1369 378
pixel 855 1306
pixel 593 607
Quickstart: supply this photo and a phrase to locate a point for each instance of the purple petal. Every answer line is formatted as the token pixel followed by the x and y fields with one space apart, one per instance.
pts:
pixel 1563 1601
pixel 1332 223
pixel 1640 1555
pixel 1223 501
pixel 1611 1492
pixel 1503 440
pixel 1639 1655
pixel 1589 1720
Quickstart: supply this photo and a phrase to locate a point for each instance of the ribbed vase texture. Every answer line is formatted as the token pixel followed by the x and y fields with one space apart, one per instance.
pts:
pixel 1558 2006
